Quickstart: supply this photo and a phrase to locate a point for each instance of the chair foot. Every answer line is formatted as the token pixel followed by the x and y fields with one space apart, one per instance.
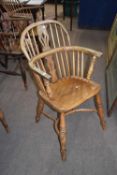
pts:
pixel 4 123
pixel 100 111
pixel 63 154
pixel 62 136
pixel 103 125
pixel 40 107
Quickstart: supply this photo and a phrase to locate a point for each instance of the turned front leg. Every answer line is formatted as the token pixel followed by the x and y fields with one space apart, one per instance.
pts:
pixel 40 107
pixel 3 121
pixel 100 110
pixel 62 136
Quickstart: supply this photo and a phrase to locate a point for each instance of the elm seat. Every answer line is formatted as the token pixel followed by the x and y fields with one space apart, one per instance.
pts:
pixel 70 93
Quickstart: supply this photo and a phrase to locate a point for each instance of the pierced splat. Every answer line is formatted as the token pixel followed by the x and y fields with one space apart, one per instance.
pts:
pixel 43 37
pixel 48 61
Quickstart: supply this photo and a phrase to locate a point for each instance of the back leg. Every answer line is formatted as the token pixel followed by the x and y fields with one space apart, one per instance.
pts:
pixel 100 110
pixel 3 121
pixel 40 107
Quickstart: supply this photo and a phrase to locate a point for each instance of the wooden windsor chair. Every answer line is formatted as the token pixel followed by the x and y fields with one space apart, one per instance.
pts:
pixel 10 50
pixel 63 72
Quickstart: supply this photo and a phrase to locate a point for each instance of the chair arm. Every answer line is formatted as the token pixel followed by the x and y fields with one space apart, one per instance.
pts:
pixel 93 52
pixel 39 71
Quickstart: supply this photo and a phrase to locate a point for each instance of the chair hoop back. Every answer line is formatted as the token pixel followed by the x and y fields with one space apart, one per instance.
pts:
pixel 63 73
pixel 42 36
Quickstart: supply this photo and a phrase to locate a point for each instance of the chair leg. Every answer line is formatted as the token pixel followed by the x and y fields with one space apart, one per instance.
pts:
pixel 3 121
pixel 43 12
pixel 62 136
pixel 100 110
pixel 40 107
pixel 23 73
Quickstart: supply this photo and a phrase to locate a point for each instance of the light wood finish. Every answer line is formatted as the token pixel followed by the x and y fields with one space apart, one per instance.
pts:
pixel 62 135
pixel 64 73
pixel 3 121
pixel 38 36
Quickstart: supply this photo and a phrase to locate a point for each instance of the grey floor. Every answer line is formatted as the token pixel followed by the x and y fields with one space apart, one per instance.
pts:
pixel 33 149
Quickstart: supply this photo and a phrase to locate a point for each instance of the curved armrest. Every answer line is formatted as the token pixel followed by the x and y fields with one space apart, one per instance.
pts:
pixel 87 50
pixel 93 53
pixel 39 71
